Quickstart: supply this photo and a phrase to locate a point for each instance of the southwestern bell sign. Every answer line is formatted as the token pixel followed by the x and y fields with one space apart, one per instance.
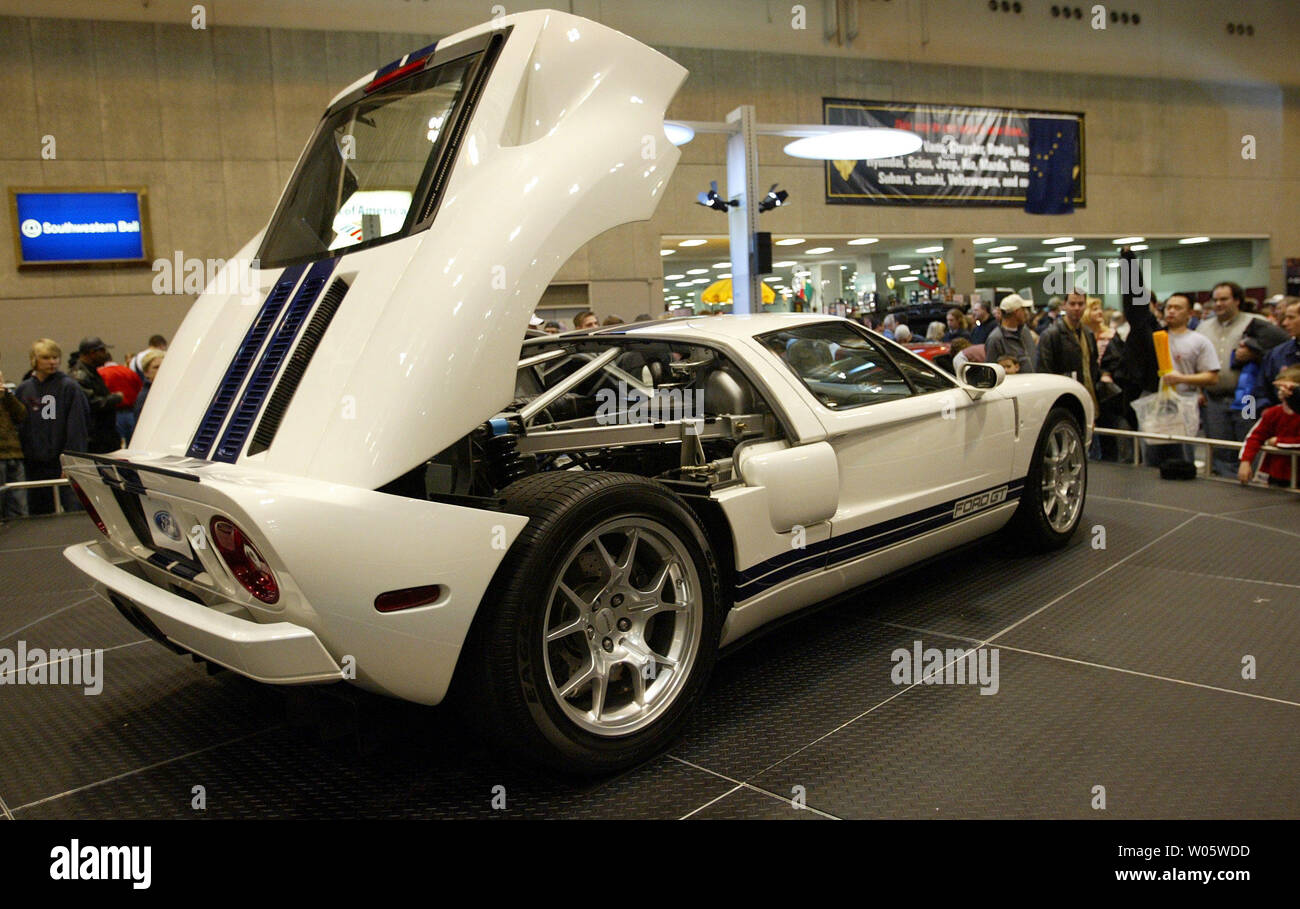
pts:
pixel 96 225
pixel 969 156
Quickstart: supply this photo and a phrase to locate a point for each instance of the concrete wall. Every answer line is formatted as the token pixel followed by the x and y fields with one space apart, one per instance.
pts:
pixel 212 120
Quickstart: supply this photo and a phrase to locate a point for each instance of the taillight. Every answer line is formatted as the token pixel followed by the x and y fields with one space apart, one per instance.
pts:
pixel 244 561
pixel 407 598
pixel 86 504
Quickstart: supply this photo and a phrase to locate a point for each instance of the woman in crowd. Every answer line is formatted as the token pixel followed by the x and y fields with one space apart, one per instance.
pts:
pixel 58 418
pixel 150 360
pixel 1095 318
pixel 13 502
pixel 958 326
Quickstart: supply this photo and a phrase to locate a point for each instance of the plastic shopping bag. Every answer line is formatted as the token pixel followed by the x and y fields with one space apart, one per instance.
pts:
pixel 1169 413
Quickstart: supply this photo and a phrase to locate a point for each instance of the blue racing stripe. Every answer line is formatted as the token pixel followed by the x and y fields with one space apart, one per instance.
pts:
pixel 219 406
pixel 838 550
pixel 259 384
pixel 421 53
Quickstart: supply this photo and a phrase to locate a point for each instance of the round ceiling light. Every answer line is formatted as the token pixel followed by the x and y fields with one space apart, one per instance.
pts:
pixel 855 144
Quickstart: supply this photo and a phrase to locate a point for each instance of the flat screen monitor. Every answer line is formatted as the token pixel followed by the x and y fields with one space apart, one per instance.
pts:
pixel 80 225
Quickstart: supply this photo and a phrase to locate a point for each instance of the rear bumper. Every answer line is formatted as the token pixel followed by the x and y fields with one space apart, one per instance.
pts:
pixel 333 549
pixel 279 653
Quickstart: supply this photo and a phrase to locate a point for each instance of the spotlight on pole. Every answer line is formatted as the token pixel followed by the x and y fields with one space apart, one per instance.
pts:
pixel 712 200
pixel 775 198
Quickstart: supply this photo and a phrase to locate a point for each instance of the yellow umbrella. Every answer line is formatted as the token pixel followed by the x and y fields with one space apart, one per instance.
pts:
pixel 720 292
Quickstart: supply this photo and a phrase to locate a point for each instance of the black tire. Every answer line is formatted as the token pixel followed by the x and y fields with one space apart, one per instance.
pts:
pixel 1030 525
pixel 503 678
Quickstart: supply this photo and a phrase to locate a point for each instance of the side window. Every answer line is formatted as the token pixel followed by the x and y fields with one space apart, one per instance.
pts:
pixel 841 367
pixel 923 376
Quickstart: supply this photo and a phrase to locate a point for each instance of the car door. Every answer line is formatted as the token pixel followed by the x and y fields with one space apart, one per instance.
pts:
pixel 917 453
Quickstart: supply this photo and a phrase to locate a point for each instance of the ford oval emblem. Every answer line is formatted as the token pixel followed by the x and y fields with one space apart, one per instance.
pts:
pixel 163 521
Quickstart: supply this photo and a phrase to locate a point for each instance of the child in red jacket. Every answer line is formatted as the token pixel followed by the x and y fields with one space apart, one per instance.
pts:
pixel 1279 427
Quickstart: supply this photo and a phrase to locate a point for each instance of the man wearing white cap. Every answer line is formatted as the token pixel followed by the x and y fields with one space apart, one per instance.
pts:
pixel 1013 338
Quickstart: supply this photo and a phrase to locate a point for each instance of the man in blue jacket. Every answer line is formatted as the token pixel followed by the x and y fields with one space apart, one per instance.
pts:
pixel 1278 358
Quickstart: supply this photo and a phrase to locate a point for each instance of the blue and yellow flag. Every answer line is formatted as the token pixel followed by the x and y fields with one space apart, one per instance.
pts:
pixel 1053 149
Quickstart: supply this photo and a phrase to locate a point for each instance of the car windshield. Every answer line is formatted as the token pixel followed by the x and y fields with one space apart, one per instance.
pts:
pixel 365 166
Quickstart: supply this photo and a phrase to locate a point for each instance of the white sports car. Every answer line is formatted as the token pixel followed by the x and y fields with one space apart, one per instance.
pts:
pixel 348 469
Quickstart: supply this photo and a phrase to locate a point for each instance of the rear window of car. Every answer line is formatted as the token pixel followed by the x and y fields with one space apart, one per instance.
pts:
pixel 366 168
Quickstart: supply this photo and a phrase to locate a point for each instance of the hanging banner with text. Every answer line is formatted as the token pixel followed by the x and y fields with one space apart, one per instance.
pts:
pixel 969 156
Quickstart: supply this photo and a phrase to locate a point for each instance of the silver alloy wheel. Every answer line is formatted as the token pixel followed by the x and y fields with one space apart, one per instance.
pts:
pixel 623 624
pixel 1062 480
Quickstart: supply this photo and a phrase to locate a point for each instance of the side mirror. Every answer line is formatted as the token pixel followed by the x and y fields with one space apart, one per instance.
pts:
pixel 982 376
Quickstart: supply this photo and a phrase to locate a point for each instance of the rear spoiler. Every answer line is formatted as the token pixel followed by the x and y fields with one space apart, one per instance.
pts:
pixel 135 465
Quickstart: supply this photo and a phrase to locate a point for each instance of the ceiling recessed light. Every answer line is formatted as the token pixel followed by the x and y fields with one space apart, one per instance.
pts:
pixel 1001 248
pixel 863 241
pixel 785 264
pixel 1055 259
pixel 697 271
pixel 1038 269
pixel 725 274
pixel 667 252
pixel 1001 259
pixel 790 241
pixel 692 243
pixel 898 267
pixel 818 250
pixel 1127 241
pixel 911 278
pixel 1057 240
pixel 771 278
pixel 978 271
pixel 1138 247
pixel 683 284
pixel 1187 241
pixel 1014 265
pixel 983 241
pixel 720 265
pixel 700 281
pixel 930 249
pixel 1078 247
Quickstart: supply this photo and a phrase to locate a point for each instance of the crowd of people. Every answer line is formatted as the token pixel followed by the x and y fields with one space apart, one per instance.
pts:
pixel 1238 360
pixel 1233 362
pixel 93 407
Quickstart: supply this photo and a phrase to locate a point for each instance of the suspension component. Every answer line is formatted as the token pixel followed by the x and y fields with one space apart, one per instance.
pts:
pixel 501 453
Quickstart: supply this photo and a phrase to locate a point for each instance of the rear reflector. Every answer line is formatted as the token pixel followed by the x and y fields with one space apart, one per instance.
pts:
pixel 86 504
pixel 408 598
pixel 244 561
